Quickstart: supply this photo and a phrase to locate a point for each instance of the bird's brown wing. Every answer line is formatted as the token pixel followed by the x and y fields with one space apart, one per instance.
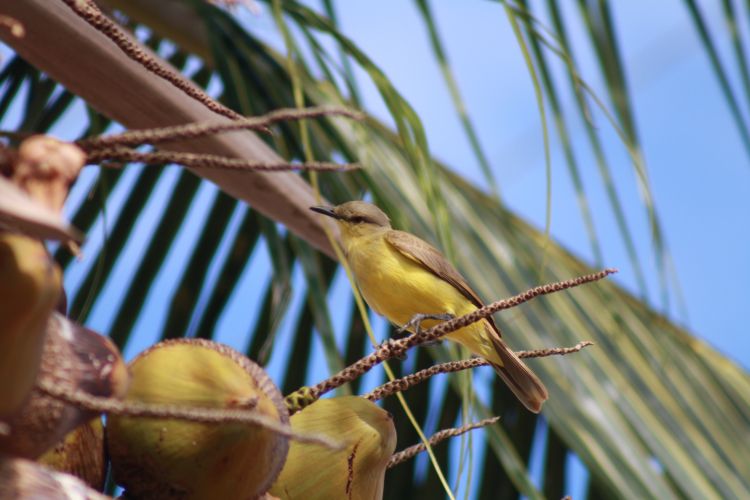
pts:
pixel 431 259
pixel 525 385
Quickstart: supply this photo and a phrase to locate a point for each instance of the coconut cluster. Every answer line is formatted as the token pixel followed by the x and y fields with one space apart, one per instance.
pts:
pixel 157 458
pixel 186 418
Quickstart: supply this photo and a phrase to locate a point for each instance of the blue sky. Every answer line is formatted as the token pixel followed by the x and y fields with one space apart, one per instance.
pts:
pixel 699 172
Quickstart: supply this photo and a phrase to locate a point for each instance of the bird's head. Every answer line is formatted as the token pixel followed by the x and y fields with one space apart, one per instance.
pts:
pixel 356 218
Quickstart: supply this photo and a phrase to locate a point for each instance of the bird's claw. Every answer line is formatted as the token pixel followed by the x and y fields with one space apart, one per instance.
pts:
pixel 415 322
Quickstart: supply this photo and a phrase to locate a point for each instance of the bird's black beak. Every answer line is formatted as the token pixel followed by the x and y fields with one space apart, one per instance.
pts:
pixel 325 211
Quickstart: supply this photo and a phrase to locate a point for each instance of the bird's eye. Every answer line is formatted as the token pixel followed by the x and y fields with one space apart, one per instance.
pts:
pixel 357 219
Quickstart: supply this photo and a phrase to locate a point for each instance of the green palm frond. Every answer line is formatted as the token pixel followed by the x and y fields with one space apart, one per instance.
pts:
pixel 651 411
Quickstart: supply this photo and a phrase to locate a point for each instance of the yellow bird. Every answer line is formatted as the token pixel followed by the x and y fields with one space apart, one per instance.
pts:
pixel 407 280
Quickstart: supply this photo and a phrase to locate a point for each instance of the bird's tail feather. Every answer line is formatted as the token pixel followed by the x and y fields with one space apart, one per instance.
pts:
pixel 518 377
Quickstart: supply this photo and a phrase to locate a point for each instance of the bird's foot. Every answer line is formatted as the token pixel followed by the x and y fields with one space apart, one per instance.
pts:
pixel 415 322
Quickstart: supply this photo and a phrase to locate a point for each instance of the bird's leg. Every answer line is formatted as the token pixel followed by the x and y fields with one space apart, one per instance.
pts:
pixel 416 322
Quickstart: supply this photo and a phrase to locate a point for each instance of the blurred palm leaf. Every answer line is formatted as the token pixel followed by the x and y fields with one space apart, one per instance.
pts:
pixel 651 411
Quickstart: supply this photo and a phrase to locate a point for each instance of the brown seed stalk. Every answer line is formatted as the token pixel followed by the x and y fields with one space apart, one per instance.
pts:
pixel 412 451
pixel 200 129
pixel 197 160
pixel 409 381
pixel 89 12
pixel 396 348
pixel 175 412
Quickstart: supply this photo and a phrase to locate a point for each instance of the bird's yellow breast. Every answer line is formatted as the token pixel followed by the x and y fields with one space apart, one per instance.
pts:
pixel 396 286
